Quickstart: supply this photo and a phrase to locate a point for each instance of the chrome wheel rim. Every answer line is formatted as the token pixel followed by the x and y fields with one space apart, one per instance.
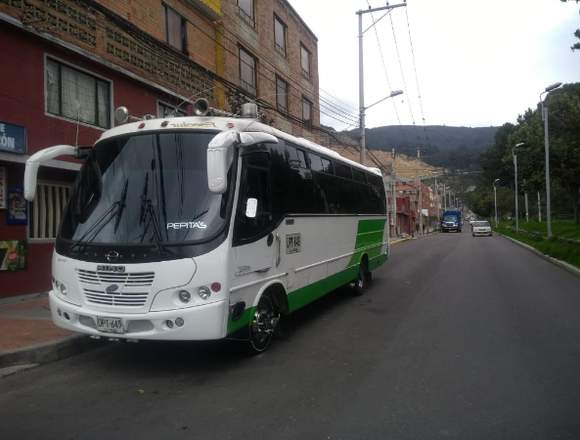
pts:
pixel 263 324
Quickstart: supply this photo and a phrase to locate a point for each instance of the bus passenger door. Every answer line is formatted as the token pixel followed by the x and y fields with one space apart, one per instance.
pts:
pixel 255 243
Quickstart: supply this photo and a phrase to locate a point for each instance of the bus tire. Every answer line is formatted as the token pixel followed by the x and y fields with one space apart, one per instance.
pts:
pixel 361 283
pixel 263 325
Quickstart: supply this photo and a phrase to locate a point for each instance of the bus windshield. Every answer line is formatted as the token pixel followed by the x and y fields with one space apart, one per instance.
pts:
pixel 144 189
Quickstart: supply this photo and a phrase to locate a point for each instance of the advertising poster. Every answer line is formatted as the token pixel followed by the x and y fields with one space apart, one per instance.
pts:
pixel 3 179
pixel 12 255
pixel 17 207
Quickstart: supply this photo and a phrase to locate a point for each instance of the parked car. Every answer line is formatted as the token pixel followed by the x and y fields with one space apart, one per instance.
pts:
pixel 481 227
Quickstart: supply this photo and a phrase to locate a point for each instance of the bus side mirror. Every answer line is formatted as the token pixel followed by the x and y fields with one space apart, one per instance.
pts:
pixel 220 153
pixel 38 158
pixel 251 207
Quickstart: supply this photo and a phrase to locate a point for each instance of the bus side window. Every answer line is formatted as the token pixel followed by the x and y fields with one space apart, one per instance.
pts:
pixel 255 184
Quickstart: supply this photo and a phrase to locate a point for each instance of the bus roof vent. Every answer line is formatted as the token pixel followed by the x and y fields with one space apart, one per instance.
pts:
pixel 249 110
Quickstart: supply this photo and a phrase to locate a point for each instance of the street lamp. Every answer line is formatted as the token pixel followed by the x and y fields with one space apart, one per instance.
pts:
pixel 547 90
pixel 496 181
pixel 361 87
pixel 515 158
pixel 362 123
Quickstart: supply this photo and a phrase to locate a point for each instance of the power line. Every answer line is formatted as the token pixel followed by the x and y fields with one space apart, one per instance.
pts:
pixel 401 67
pixel 383 61
pixel 416 77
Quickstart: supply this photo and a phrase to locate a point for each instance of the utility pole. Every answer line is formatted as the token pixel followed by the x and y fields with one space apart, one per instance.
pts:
pixel 495 182
pixel 361 87
pixel 394 183
pixel 516 193
pixel 420 207
pixel 539 208
pixel 547 154
pixel 526 202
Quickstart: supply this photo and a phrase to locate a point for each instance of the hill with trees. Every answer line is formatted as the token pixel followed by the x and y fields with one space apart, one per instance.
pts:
pixel 441 146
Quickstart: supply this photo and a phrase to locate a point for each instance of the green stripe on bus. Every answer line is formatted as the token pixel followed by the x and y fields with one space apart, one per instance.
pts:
pixel 242 321
pixel 369 240
pixel 370 225
pixel 304 296
pixel 369 233
pixel 301 297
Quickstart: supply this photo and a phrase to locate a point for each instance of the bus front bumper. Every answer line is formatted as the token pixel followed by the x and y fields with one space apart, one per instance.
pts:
pixel 203 322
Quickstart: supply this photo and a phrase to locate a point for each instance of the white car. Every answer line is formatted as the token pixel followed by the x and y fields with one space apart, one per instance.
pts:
pixel 480 227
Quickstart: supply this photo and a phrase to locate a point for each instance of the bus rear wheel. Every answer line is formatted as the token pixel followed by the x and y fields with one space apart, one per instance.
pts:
pixel 263 325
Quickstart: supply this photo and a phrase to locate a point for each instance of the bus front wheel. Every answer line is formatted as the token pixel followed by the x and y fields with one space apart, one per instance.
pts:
pixel 263 325
pixel 362 281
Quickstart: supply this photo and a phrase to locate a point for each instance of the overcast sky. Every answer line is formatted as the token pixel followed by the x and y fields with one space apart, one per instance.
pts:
pixel 479 63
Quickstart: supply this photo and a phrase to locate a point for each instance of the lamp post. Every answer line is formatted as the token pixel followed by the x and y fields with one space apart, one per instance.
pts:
pixel 547 90
pixel 495 199
pixel 515 158
pixel 362 122
pixel 361 87
pixel 526 202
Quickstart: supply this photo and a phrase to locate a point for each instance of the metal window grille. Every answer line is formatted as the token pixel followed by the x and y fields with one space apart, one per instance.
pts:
pixel 168 111
pixel 46 210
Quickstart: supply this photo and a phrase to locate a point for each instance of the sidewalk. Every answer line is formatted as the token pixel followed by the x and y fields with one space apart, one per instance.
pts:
pixel 28 337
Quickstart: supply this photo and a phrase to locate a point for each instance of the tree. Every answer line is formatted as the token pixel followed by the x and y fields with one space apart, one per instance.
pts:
pixel 576 45
pixel 497 161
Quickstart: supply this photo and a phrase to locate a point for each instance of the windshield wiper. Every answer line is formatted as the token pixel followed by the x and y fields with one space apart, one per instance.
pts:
pixel 114 211
pixel 122 205
pixel 97 226
pixel 149 214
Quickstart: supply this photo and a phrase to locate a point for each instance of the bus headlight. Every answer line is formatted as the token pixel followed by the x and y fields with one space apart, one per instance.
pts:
pixel 184 296
pixel 59 287
pixel 204 292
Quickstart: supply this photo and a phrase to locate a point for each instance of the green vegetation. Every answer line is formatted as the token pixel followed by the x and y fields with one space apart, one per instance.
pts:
pixel 532 234
pixel 576 45
pixel 497 161
pixel 563 229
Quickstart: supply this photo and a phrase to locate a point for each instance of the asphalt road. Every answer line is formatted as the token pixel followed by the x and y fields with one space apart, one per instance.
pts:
pixel 459 337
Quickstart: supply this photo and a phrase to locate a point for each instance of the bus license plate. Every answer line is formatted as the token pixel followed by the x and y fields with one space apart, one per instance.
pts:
pixel 110 325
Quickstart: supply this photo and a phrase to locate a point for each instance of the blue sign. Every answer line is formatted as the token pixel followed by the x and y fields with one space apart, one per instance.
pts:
pixel 12 138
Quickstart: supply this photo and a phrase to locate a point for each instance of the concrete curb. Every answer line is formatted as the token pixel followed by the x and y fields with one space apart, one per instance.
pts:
pixel 399 240
pixel 566 266
pixel 48 351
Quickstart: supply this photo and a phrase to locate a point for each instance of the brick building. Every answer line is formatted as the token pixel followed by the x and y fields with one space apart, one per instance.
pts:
pixel 67 64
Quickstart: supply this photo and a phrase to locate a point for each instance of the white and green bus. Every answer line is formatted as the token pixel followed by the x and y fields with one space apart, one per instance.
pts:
pixel 201 228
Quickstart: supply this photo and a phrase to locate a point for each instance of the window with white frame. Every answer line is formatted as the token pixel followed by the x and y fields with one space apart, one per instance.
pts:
pixel 77 95
pixel 47 209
